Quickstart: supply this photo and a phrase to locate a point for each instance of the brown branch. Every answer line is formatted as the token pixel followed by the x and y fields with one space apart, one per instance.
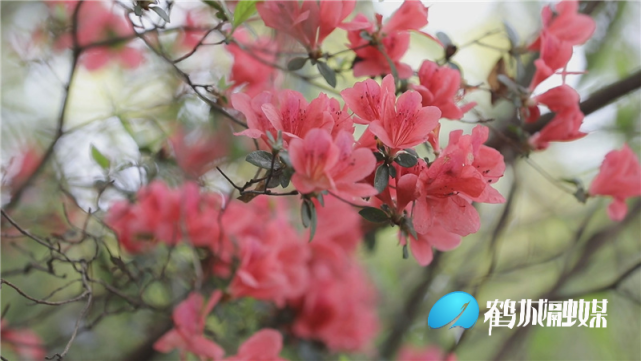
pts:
pixel 43 302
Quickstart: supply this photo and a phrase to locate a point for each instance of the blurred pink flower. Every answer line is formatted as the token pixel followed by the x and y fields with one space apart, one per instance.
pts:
pixel 251 63
pixel 393 37
pixel 620 178
pixel 308 21
pixel 564 102
pixel 264 345
pixel 197 151
pixel 339 308
pixel 561 31
pixel 189 325
pixel 273 266
pixel 97 23
pixel 26 344
pixel 439 87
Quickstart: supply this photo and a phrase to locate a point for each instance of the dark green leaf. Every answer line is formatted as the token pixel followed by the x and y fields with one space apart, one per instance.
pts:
pixel 392 171
pixel 365 35
pixel 137 10
pixel 408 225
pixel 381 178
pixel 296 63
pixel 306 213
pixel 406 160
pixel 274 181
pixel 102 161
pixel 262 159
pixel 370 241
pixel 163 15
pixel 321 200
pixel 215 5
pixel 308 216
pixel 405 252
pixel 581 195
pixel 379 156
pixel 284 156
pixel 285 177
pixel 443 38
pixel 328 73
pixel 412 151
pixel 244 9
pixel 373 214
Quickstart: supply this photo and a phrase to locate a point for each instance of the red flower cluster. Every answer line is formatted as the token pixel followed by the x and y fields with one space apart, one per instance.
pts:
pixel 560 33
pixel 320 281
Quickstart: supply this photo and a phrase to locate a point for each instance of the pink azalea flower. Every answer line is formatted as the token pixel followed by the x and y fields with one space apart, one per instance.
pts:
pixel 189 325
pixel 273 266
pixel 431 353
pixel 322 163
pixel 399 124
pixel 564 127
pixel 257 123
pixel 26 344
pixel 439 87
pixel 196 152
pixel 620 178
pixel 560 33
pixel 568 25
pixel 338 223
pixel 309 21
pixel 251 63
pixel 393 37
pixel 461 174
pixel 152 219
pixel 289 112
pixel 264 345
pixel 295 117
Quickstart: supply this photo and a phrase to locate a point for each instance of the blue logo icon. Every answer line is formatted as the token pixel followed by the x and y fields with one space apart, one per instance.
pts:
pixel 458 307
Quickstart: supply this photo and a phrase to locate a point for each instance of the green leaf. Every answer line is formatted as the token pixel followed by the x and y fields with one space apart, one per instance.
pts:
pixel 137 10
pixel 444 39
pixel 379 156
pixel 262 159
pixel 408 226
pixel 163 15
pixel 581 195
pixel 381 178
pixel 406 160
pixel 405 252
pixel 328 73
pixel 308 216
pixel 392 171
pixel 285 177
pixel 284 156
pixel 244 9
pixel 296 63
pixel 102 161
pixel 372 214
pixel 321 200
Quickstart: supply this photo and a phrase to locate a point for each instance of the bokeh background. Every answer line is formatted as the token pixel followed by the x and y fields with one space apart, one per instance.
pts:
pixel 128 116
